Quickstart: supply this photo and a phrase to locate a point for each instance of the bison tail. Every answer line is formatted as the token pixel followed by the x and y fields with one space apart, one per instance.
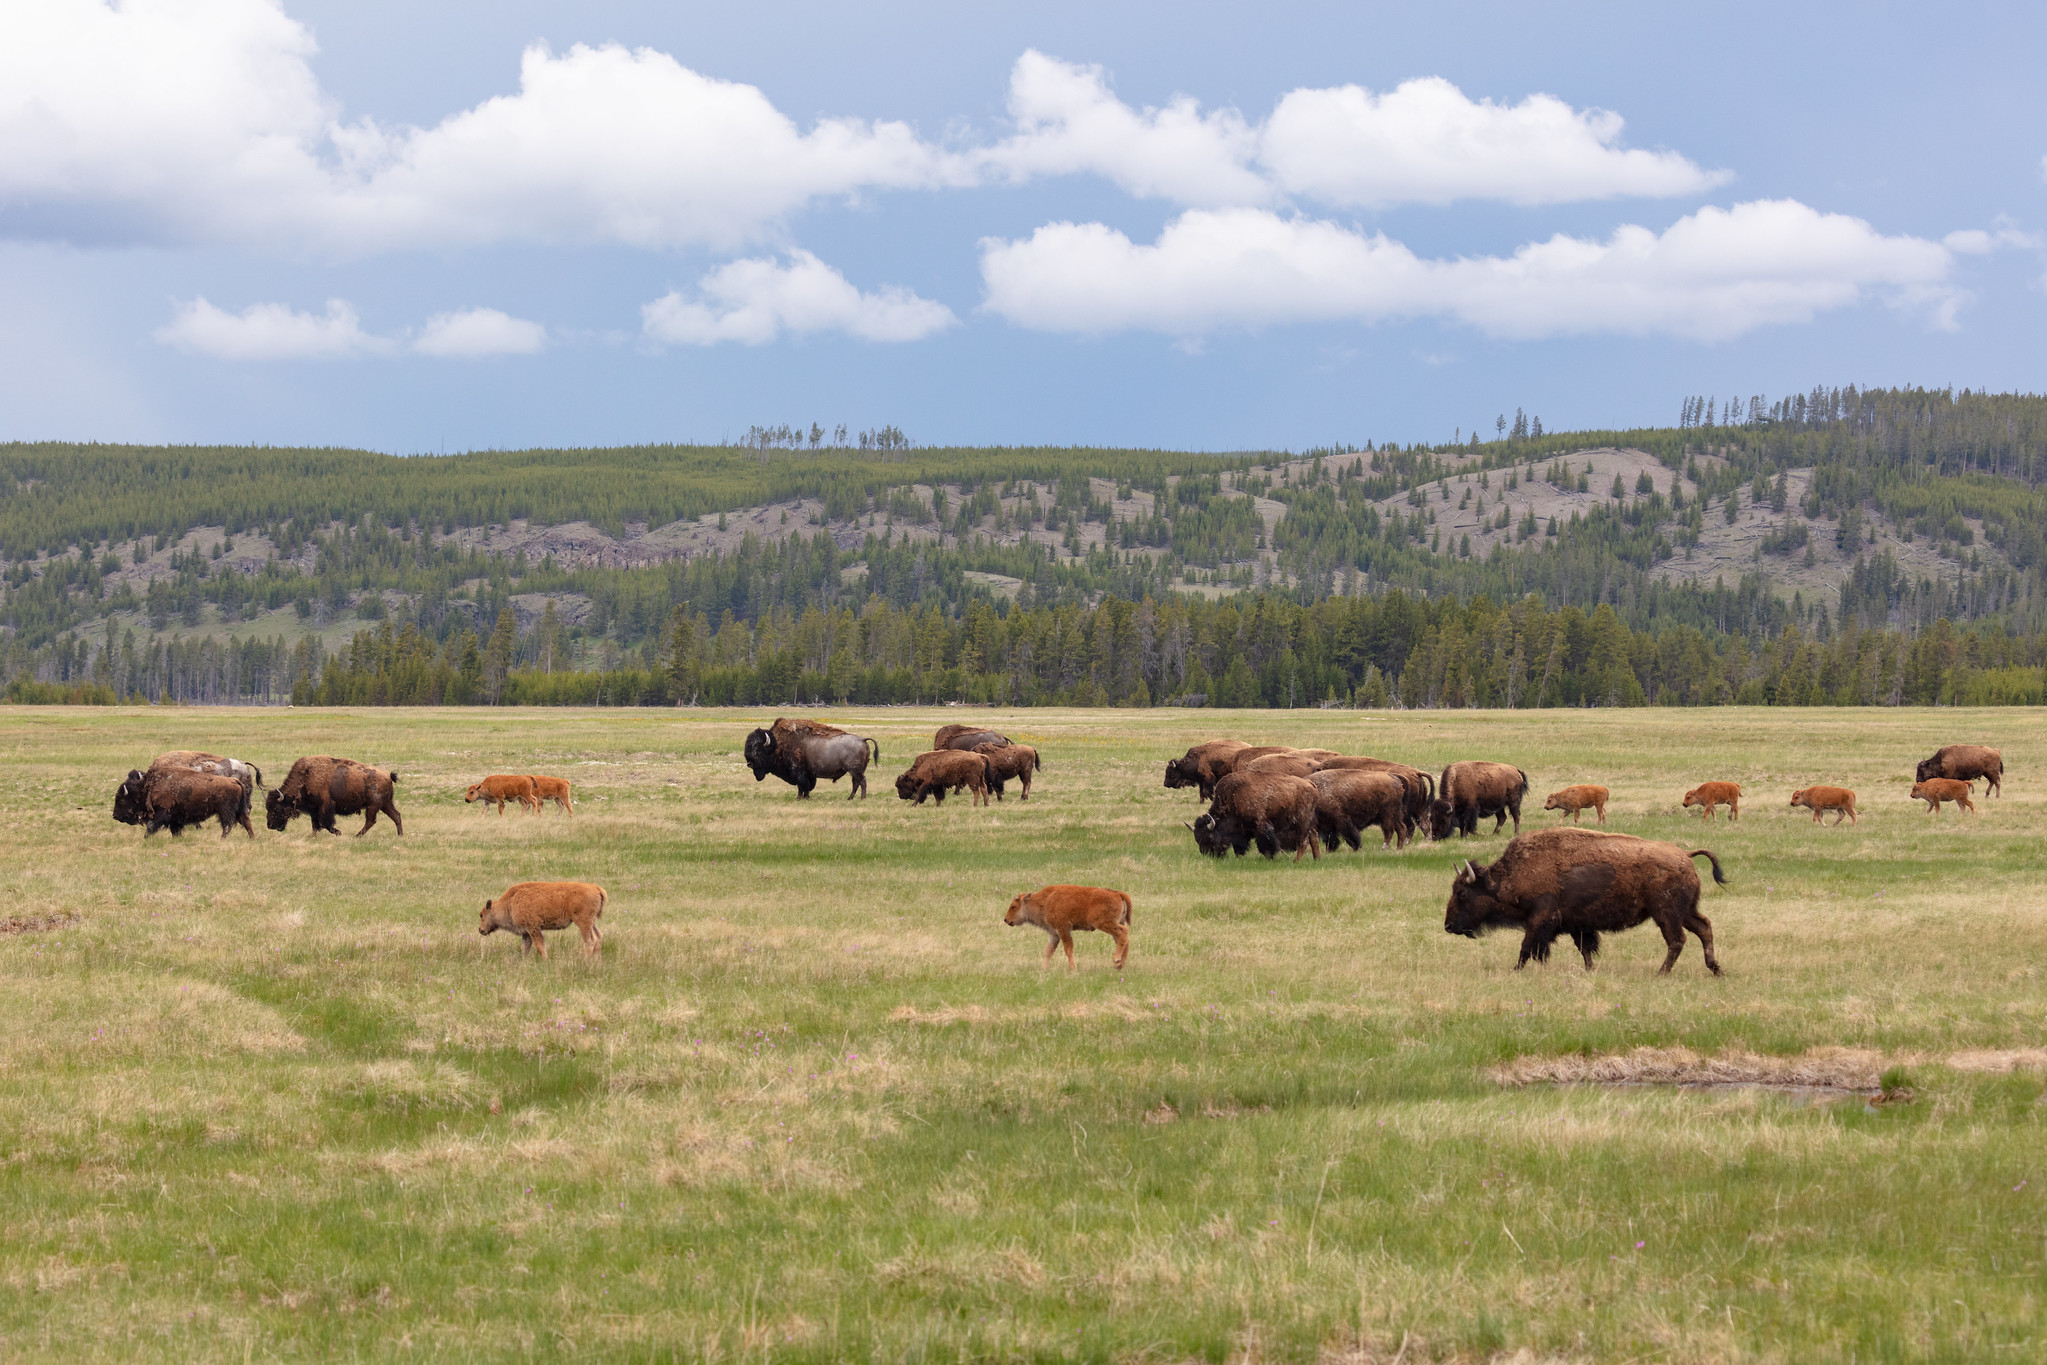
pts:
pixel 872 744
pixel 1718 875
pixel 1126 903
pixel 259 774
pixel 394 779
pixel 603 899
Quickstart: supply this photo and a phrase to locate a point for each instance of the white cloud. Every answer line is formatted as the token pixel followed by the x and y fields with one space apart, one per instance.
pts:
pixel 754 301
pixel 1981 242
pixel 1069 122
pixel 1712 275
pixel 202 120
pixel 1427 142
pixel 270 331
pixel 477 332
pixel 1423 142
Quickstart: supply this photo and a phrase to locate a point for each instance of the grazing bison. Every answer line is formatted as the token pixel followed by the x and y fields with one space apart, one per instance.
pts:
pixel 555 789
pixel 1839 800
pixel 1348 802
pixel 322 788
pixel 1273 810
pixel 178 798
pixel 1583 883
pixel 1575 799
pixel 1421 786
pixel 1009 762
pixel 1204 765
pixel 1294 763
pixel 1471 791
pixel 528 909
pixel 802 751
pixel 500 788
pixel 131 798
pixel 1934 790
pixel 935 773
pixel 1712 794
pixel 967 738
pixel 1060 910
pixel 1965 763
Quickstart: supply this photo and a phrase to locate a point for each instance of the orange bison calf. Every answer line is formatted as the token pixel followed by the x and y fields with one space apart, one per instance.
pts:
pixel 555 789
pixel 501 788
pixel 1712 794
pixel 1935 790
pixel 530 908
pixel 1060 910
pixel 1839 800
pixel 1575 799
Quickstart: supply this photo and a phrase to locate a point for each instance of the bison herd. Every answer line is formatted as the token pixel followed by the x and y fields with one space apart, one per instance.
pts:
pixel 1560 882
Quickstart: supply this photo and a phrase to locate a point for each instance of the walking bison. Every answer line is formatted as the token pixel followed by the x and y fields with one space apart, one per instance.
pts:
pixel 322 787
pixel 1583 883
pixel 132 798
pixel 528 909
pixel 1714 794
pixel 1272 810
pixel 1010 763
pixel 1934 790
pixel 1349 802
pixel 178 798
pixel 802 751
pixel 1574 800
pixel 1471 791
pixel 1061 910
pixel 1839 800
pixel 1965 763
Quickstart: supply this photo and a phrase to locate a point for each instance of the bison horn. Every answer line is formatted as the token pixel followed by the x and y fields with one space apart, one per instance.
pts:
pixel 1190 825
pixel 1469 872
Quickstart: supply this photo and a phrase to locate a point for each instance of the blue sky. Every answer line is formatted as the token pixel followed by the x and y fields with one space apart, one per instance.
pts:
pixel 425 227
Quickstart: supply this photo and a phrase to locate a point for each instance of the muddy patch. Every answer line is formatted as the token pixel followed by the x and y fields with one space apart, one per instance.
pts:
pixel 36 924
pixel 1823 1074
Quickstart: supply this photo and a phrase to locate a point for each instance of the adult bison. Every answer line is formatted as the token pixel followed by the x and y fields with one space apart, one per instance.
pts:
pixel 1204 765
pixel 1420 786
pixel 1583 883
pixel 1272 810
pixel 938 771
pixel 1471 791
pixel 1348 802
pixel 801 751
pixel 1010 763
pixel 967 738
pixel 178 798
pixel 132 797
pixel 322 787
pixel 1964 763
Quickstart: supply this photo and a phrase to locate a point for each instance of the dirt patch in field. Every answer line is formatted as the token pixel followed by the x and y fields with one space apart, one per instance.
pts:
pixel 2000 1060
pixel 36 924
pixel 1847 1070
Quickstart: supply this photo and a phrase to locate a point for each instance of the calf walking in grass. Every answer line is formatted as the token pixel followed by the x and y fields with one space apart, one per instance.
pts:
pixel 1935 790
pixel 530 908
pixel 1060 910
pixel 1839 800
pixel 500 788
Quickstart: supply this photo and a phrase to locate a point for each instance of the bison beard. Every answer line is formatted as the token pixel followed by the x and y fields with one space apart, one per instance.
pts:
pixel 1579 883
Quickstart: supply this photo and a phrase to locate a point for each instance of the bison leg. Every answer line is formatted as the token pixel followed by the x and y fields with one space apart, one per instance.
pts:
pixel 1051 945
pixel 539 942
pixel 1066 942
pixel 389 806
pixel 858 787
pixel 369 817
pixel 593 942
pixel 1122 937
pixel 1588 944
pixel 1602 815
pixel 1535 944
pixel 1702 928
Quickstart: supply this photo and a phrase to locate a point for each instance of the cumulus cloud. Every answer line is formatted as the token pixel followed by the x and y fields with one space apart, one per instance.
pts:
pixel 754 301
pixel 202 120
pixel 1425 142
pixel 270 331
pixel 1712 275
pixel 475 332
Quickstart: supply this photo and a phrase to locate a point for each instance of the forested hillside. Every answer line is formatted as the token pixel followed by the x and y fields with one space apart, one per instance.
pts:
pixel 1873 547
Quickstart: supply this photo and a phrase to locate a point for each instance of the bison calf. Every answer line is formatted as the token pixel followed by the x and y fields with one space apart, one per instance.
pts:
pixel 500 788
pixel 1060 910
pixel 528 909
pixel 1839 800
pixel 935 773
pixel 1712 794
pixel 555 789
pixel 1935 790
pixel 1575 799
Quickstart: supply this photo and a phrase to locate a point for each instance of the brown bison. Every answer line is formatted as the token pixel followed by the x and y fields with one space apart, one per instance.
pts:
pixel 802 751
pixel 1421 786
pixel 131 798
pixel 967 738
pixel 322 788
pixel 1965 763
pixel 1206 764
pixel 178 798
pixel 1468 792
pixel 1934 790
pixel 1273 810
pixel 1348 802
pixel 1583 883
pixel 555 789
pixel 1839 800
pixel 1010 762
pixel 528 909
pixel 1061 910
pixel 500 788
pixel 1293 762
pixel 938 771
pixel 1712 794
pixel 1573 800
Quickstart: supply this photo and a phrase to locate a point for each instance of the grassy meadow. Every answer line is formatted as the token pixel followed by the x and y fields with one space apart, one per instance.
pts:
pixel 278 1100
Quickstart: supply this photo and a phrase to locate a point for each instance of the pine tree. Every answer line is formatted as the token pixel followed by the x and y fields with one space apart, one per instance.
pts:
pixel 498 655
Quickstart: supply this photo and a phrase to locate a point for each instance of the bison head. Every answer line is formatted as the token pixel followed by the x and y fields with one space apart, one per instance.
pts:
pixel 1798 797
pixel 1442 819
pixel 1015 914
pixel 1177 774
pixel 761 754
pixel 1928 767
pixel 128 799
pixel 1475 905
pixel 489 924
pixel 907 785
pixel 1208 836
pixel 474 792
pixel 1551 804
pixel 277 812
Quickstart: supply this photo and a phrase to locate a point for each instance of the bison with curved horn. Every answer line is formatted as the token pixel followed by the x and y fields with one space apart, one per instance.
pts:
pixel 135 803
pixel 1583 883
pixel 802 751
pixel 1965 763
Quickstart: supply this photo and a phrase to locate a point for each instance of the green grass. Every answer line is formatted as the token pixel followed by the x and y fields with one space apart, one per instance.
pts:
pixel 278 1100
